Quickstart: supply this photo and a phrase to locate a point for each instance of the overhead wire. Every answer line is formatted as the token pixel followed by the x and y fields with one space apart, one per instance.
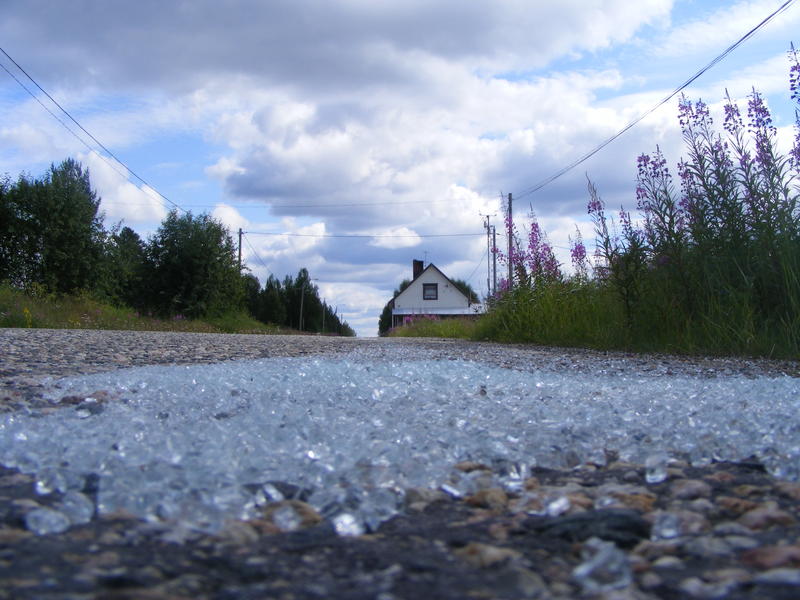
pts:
pixel 364 235
pixel 57 118
pixel 630 125
pixel 255 253
pixel 82 128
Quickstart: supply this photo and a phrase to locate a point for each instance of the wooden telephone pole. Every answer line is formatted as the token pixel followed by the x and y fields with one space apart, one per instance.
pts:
pixel 240 249
pixel 510 242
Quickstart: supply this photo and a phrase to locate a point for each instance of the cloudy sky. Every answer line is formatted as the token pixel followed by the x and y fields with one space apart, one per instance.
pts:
pixel 370 131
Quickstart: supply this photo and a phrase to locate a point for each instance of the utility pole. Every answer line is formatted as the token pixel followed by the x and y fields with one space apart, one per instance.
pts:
pixel 494 261
pixel 488 255
pixel 510 242
pixel 240 249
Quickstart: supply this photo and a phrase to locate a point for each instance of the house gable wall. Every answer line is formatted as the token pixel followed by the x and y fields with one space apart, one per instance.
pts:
pixel 449 296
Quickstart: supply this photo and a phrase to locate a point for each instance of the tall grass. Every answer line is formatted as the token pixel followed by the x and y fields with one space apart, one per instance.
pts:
pixel 710 265
pixel 37 309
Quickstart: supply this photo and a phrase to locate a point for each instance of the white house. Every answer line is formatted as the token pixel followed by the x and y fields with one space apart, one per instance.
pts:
pixel 431 293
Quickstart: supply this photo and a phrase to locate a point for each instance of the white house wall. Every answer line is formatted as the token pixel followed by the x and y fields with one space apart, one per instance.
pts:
pixel 450 297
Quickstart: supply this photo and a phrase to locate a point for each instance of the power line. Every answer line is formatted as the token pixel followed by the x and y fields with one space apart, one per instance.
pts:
pixel 630 125
pixel 347 235
pixel 64 125
pixel 255 253
pixel 82 128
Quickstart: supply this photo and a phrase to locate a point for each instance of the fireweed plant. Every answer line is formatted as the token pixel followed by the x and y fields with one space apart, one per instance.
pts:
pixel 711 263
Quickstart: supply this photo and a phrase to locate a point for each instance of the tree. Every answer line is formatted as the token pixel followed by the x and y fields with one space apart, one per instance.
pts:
pixel 52 233
pixel 385 320
pixel 272 303
pixel 122 281
pixel 251 289
pixel 192 267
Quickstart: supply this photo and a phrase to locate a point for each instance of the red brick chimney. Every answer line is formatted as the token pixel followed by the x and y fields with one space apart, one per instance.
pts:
pixel 418 267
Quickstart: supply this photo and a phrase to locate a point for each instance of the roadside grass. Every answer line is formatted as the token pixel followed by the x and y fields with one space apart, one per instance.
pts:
pixel 709 265
pixel 37 309
pixel 463 329
pixel 591 315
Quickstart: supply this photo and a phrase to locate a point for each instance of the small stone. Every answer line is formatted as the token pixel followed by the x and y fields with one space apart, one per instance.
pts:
pixel 790 489
pixel 654 550
pixel 735 506
pixel 697 588
pixel 467 466
pixel 731 528
pixel 423 496
pixel 485 555
pixel 523 583
pixel 669 562
pixel 702 506
pixel 741 542
pixel 499 531
pixel 642 502
pixel 532 483
pixel 748 490
pixel 707 547
pixel 730 574
pixel 690 489
pixel 650 580
pixel 721 477
pixel 779 577
pixel 770 557
pixel 238 533
pixel 765 517
pixel 631 476
pixel 493 498
pixel 579 501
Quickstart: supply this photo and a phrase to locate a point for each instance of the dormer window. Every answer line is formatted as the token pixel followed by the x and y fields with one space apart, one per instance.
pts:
pixel 430 291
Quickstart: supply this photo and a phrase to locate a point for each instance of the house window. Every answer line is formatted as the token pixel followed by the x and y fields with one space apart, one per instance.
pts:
pixel 430 291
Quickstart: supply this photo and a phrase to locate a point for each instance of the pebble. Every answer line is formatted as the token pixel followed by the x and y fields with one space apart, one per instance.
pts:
pixel 485 555
pixel 779 576
pixel 768 557
pixel 765 516
pixel 690 489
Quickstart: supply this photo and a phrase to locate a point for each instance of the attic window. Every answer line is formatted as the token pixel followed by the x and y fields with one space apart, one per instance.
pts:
pixel 430 291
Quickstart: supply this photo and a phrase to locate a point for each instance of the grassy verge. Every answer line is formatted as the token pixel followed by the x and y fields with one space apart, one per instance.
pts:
pixel 37 309
pixel 591 315
pixel 444 328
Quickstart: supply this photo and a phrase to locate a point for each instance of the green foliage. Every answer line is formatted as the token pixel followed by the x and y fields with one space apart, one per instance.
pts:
pixel 192 267
pixel 22 309
pixel 385 320
pixel 52 233
pixel 440 328
pixel 122 280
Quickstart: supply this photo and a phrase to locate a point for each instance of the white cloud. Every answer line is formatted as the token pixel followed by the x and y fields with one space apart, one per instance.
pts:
pixel 720 28
pixel 428 110
pixel 121 199
pixel 397 237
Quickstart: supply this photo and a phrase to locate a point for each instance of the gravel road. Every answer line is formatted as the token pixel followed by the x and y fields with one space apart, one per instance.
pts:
pixel 721 531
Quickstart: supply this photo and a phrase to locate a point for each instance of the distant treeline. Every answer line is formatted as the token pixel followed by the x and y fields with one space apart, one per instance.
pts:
pixel 53 240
